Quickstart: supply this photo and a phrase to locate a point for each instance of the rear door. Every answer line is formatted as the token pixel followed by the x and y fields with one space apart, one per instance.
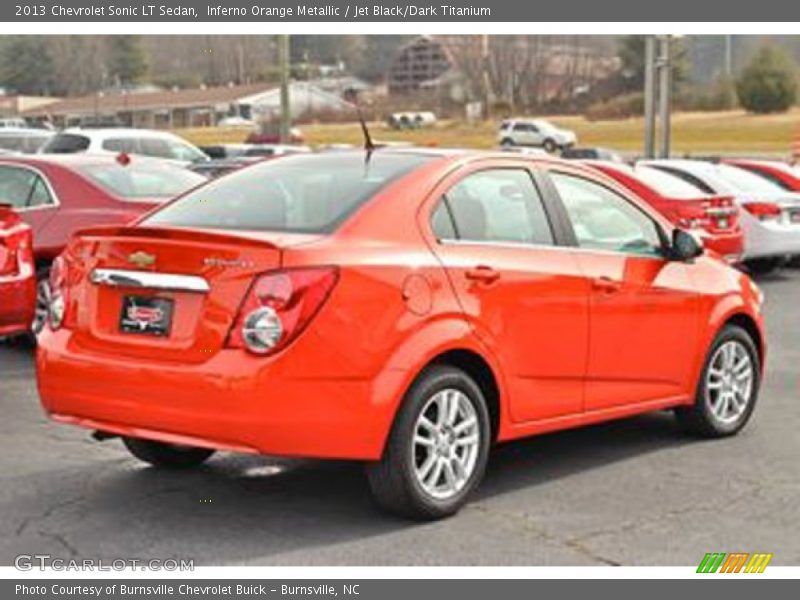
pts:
pixel 644 309
pixel 523 294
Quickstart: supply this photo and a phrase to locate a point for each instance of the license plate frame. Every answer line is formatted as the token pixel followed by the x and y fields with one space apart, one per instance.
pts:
pixel 146 315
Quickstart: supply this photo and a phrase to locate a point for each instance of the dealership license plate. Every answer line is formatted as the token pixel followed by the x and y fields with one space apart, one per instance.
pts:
pixel 794 216
pixel 722 223
pixel 146 315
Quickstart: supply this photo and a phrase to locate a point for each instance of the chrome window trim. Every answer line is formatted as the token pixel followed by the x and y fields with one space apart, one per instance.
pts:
pixel 35 171
pixel 532 246
pixel 126 278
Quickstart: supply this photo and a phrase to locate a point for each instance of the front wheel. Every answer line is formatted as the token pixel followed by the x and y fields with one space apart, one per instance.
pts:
pixel 728 388
pixel 170 456
pixel 438 447
pixel 550 146
pixel 43 297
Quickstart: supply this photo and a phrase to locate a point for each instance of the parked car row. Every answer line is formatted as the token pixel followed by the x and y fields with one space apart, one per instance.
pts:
pixel 746 211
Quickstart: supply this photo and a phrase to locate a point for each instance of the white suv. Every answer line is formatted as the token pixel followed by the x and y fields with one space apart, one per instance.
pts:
pixel 535 132
pixel 145 142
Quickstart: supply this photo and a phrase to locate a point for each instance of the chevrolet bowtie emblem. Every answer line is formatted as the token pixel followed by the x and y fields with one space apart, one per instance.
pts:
pixel 142 259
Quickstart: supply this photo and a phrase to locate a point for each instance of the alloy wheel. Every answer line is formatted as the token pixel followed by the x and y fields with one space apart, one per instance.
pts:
pixel 446 444
pixel 729 382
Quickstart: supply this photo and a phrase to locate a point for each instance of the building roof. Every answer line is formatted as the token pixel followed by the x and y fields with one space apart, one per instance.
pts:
pixel 179 98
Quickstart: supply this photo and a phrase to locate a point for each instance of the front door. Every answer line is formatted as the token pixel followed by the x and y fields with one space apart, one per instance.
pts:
pixel 643 309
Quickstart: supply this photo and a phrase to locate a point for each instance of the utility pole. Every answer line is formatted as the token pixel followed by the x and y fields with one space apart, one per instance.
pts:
pixel 729 56
pixel 650 96
pixel 286 114
pixel 487 111
pixel 665 93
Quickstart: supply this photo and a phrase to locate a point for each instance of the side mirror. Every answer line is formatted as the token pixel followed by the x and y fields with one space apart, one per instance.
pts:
pixel 684 246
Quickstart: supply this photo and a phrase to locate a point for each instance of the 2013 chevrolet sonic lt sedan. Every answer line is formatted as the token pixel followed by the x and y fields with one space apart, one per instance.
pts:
pixel 408 308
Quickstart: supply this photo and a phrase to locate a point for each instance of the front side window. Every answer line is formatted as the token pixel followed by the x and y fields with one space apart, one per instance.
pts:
pixel 126 145
pixel 498 205
pixel 604 220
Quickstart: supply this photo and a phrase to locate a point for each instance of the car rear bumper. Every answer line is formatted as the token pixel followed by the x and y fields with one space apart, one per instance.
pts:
pixel 765 239
pixel 233 401
pixel 17 304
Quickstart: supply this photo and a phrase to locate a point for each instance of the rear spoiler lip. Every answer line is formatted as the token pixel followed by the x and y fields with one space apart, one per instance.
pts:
pixel 169 233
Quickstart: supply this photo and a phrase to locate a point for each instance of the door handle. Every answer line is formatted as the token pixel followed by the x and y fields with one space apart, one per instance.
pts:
pixel 482 273
pixel 606 284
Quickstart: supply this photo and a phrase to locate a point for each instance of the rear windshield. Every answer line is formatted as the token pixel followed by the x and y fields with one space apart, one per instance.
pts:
pixel 308 193
pixel 668 185
pixel 746 181
pixel 140 182
pixel 66 143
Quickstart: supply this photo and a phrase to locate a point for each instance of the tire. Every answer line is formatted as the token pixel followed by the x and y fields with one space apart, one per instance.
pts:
pixel 42 301
pixel 550 146
pixel 400 482
pixel 764 266
pixel 702 418
pixel 169 456
pixel 507 143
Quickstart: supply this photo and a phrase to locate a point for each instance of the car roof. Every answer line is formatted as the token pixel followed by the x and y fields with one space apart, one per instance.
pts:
pixel 81 159
pixel 105 132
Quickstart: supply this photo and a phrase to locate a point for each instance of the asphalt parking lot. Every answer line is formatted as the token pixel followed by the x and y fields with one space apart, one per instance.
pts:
pixel 635 492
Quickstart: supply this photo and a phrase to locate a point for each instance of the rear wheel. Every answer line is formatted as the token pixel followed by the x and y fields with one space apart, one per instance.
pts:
pixel 728 388
pixel 171 456
pixel 764 266
pixel 507 143
pixel 437 451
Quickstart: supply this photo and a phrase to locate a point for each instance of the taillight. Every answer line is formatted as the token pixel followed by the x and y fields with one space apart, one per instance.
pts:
pixel 16 246
pixel 763 211
pixel 278 306
pixel 57 306
pixel 691 218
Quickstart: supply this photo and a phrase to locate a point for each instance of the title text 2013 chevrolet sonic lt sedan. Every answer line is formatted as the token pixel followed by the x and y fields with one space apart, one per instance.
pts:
pixel 407 308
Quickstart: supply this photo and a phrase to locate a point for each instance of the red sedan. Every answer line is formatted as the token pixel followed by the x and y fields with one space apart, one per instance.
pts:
pixel 406 308
pixel 17 274
pixel 58 194
pixel 714 218
pixel 780 173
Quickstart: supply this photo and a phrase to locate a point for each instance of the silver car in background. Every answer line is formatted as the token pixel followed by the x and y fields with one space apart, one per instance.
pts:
pixel 770 215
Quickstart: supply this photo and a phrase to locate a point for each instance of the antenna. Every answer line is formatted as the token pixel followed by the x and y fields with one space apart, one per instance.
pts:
pixel 368 145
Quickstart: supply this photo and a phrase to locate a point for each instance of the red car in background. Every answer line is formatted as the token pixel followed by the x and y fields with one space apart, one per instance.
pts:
pixel 17 274
pixel 714 218
pixel 58 194
pixel 778 172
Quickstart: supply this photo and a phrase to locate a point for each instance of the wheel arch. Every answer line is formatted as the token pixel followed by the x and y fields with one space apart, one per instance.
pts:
pixel 481 372
pixel 748 323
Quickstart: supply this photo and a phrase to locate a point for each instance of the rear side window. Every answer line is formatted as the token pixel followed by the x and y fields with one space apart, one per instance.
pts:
pixel 126 145
pixel 496 205
pixel 66 143
pixel 308 193
pixel 22 188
